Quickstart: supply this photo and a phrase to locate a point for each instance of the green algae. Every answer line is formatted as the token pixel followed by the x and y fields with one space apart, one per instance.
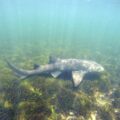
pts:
pixel 47 98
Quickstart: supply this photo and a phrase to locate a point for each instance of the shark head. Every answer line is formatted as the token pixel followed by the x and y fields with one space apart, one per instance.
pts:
pixel 96 67
pixel 100 68
pixel 92 71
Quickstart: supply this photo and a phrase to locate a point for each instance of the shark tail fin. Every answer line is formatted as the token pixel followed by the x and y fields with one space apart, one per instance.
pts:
pixel 18 72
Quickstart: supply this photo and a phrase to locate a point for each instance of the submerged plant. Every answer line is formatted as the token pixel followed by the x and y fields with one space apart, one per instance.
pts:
pixel 52 99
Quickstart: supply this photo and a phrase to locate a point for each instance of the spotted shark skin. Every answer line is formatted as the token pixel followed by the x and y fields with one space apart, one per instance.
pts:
pixel 76 67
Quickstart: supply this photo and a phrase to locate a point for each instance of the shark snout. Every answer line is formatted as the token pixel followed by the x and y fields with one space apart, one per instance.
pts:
pixel 100 69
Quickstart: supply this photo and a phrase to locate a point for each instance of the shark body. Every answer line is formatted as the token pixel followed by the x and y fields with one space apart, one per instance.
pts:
pixel 76 67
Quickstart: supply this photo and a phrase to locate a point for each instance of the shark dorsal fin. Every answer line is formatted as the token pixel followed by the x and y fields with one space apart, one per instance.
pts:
pixel 36 66
pixel 52 59
pixel 77 77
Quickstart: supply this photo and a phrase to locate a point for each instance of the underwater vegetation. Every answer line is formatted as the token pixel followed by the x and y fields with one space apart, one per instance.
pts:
pixel 32 30
pixel 41 98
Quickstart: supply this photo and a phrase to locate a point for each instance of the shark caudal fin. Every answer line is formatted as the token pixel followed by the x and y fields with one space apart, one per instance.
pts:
pixel 22 74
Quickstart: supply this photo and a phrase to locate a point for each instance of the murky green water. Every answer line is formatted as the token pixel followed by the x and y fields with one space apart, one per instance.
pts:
pixel 32 30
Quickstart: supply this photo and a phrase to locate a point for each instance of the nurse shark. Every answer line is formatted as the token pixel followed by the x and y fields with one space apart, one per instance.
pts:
pixel 77 68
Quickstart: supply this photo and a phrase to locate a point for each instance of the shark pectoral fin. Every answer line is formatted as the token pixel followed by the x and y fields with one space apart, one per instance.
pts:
pixel 56 74
pixel 23 77
pixel 77 77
